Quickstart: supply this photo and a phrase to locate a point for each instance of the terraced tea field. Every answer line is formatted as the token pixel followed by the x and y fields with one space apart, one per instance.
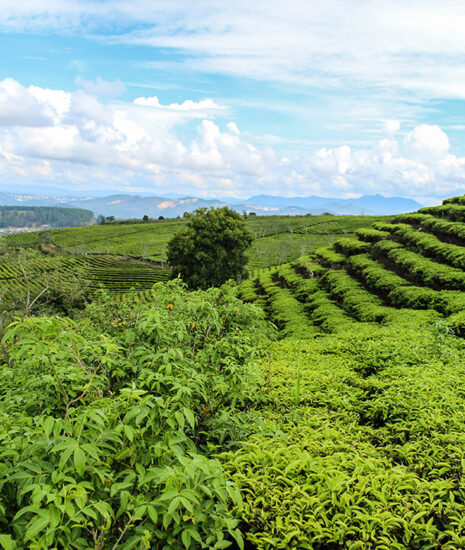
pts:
pixel 101 250
pixel 364 411
pixel 351 432
pixel 379 274
pixel 281 239
pixel 114 275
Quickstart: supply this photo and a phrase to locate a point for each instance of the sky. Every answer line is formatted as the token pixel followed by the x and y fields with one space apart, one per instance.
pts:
pixel 335 98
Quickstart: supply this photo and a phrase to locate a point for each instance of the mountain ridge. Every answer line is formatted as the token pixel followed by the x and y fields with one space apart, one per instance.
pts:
pixel 123 205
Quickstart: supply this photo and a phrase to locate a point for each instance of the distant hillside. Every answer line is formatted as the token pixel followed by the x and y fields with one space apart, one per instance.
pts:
pixel 124 206
pixel 39 216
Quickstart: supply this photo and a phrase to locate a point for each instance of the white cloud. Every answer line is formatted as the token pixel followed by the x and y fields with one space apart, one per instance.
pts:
pixel 18 107
pixel 75 139
pixel 414 47
pixel 75 127
pixel 427 142
pixel 392 126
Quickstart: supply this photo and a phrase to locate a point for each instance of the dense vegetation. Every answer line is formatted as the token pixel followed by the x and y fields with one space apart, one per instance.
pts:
pixel 176 419
pixel 110 426
pixel 36 216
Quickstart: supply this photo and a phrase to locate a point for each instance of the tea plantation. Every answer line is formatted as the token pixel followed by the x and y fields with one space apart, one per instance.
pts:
pixel 132 256
pixel 318 405
pixel 364 409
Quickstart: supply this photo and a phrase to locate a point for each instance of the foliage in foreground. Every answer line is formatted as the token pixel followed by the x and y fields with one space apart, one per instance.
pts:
pixel 108 425
pixel 363 445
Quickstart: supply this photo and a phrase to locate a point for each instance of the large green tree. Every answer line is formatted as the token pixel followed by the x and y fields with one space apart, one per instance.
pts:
pixel 211 248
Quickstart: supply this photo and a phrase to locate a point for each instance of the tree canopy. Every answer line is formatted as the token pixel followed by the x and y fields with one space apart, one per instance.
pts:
pixel 211 248
pixel 35 216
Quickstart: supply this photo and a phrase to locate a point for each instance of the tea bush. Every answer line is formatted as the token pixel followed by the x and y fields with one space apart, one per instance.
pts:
pixel 371 235
pixel 371 456
pixel 329 258
pixel 348 246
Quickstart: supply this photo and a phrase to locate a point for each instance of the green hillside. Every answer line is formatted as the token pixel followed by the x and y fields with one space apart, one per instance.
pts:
pixel 113 247
pixel 183 419
pixel 416 262
pixel 364 445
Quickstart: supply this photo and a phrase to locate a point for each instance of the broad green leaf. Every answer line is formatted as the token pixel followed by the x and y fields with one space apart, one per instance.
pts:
pixel 37 525
pixel 7 543
pixel 152 513
pixel 48 425
pixel 129 431
pixel 190 417
pixel 79 460
pixel 186 538
pixel 65 456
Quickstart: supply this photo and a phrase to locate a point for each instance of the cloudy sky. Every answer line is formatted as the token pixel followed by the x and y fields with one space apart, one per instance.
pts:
pixel 229 99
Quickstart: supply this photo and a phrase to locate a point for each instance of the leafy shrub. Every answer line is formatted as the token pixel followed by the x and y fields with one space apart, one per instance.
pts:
pixel 348 246
pixel 454 212
pixel 371 235
pixel 354 298
pixel 108 425
pixel 371 458
pixel 328 257
pixel 285 310
pixel 418 269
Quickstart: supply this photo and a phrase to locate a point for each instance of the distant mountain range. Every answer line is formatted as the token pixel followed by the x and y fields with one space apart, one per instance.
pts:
pixel 135 206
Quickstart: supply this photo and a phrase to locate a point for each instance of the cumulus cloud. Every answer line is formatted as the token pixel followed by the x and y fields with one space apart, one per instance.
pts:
pixel 75 127
pixel 427 142
pixel 190 147
pixel 20 107
pixel 419 164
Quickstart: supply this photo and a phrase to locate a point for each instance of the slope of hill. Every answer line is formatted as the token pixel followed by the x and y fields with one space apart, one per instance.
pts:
pixel 415 262
pixel 363 445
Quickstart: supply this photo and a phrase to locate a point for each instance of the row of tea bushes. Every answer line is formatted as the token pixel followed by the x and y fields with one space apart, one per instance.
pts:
pixel 308 267
pixel 451 211
pixel 329 258
pixel 428 245
pixel 354 298
pixel 301 287
pixel 418 269
pixel 370 235
pixel 445 230
pixel 348 247
pixel 286 311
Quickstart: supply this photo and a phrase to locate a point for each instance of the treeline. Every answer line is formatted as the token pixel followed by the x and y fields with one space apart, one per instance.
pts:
pixel 36 216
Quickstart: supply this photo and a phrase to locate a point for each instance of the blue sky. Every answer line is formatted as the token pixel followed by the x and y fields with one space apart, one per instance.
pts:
pixel 217 98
